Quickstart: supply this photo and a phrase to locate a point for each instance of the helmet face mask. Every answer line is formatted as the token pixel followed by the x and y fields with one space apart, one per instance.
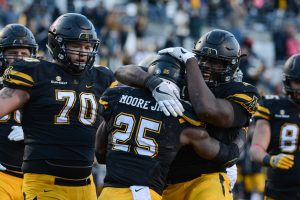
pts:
pixel 291 78
pixel 80 53
pixel 73 28
pixel 214 71
pixel 292 91
pixel 11 54
pixel 15 37
pixel 222 52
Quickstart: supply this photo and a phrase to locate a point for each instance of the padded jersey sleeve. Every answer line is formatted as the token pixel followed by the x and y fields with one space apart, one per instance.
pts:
pixel 106 77
pixel 108 101
pixel 263 110
pixel 21 75
pixel 246 96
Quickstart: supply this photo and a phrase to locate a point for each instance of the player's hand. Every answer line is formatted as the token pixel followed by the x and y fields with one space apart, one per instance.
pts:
pixel 16 134
pixel 2 168
pixel 178 52
pixel 282 161
pixel 167 96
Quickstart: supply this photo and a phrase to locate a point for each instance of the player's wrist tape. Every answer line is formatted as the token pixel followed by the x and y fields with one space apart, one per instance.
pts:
pixel 101 158
pixel 266 160
pixel 152 82
pixel 228 155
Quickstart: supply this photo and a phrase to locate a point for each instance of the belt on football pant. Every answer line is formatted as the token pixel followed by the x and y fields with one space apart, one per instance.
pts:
pixel 12 173
pixel 69 182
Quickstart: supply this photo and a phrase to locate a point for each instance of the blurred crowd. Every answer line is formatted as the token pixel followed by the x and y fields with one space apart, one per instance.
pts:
pixel 131 30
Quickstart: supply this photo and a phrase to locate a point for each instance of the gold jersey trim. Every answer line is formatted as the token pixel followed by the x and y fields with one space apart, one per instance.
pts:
pixel 114 84
pixel 18 82
pixel 263 109
pixel 22 75
pixel 257 114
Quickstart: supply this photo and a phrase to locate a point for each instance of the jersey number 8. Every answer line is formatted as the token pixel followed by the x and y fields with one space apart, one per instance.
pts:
pixel 289 134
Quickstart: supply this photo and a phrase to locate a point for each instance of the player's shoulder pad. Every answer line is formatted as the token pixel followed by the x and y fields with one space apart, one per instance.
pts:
pixel 243 94
pixel 189 115
pixel 112 94
pixel 271 101
pixel 271 98
pixel 266 105
pixel 26 63
pixel 22 72
pixel 100 68
pixel 104 72
pixel 240 87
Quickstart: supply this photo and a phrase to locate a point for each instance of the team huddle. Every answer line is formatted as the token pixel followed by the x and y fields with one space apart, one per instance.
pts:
pixel 171 128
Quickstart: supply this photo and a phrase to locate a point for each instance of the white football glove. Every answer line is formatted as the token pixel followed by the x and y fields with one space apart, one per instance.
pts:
pixel 167 95
pixel 2 168
pixel 16 134
pixel 178 52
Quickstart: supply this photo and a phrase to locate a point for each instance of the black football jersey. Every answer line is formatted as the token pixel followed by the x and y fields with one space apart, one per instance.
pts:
pixel 143 141
pixel 187 164
pixel 11 152
pixel 61 118
pixel 284 118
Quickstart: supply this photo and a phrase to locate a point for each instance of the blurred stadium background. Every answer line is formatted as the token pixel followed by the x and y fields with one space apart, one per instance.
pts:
pixel 131 30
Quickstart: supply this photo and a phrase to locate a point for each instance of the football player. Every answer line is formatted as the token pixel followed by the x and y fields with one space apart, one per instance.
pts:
pixel 275 143
pixel 60 111
pixel 16 42
pixel 224 104
pixel 143 141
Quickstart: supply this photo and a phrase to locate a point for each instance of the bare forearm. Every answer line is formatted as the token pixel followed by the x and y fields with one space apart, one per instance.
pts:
pixel 101 137
pixel 131 75
pixel 260 141
pixel 205 146
pixel 207 107
pixel 199 93
pixel 11 100
pixel 257 154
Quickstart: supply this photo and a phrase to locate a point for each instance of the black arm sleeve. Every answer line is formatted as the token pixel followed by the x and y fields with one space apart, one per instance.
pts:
pixel 228 155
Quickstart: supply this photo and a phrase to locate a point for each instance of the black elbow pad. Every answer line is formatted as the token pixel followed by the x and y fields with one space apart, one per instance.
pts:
pixel 228 155
pixel 101 158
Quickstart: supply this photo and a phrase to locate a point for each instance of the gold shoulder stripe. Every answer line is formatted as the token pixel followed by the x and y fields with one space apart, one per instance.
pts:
pixel 257 114
pixel 22 75
pixel 102 102
pixel 192 121
pixel 263 109
pixel 18 82
pixel 114 84
pixel 242 96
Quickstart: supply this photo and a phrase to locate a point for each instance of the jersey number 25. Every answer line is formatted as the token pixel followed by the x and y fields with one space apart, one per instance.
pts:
pixel 125 129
